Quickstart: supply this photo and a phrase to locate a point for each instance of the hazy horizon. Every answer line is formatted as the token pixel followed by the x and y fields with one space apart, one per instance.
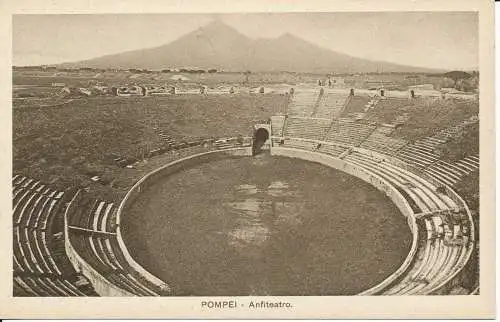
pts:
pixel 440 40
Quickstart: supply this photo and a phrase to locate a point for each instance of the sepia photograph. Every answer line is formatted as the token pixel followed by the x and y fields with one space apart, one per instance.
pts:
pixel 262 155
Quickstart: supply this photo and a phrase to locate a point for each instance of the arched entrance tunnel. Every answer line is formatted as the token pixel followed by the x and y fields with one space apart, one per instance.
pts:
pixel 260 136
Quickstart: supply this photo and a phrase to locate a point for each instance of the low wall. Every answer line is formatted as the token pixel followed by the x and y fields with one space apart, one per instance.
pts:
pixel 344 145
pixel 376 181
pixel 149 180
pixel 101 285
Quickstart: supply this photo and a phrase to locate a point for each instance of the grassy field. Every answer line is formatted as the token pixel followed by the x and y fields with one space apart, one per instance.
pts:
pixel 269 226
pixel 425 116
pixel 464 144
pixel 430 116
pixel 468 188
pixel 66 145
pixel 356 105
pixel 35 92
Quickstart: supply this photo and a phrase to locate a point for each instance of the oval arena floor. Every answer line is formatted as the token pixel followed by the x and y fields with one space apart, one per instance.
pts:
pixel 265 226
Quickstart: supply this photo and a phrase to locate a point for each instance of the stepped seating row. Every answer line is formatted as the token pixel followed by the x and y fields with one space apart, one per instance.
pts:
pixel 34 207
pixel 169 141
pixel 276 141
pixel 31 252
pixel 444 250
pixel 300 144
pixel 371 104
pixel 452 226
pixel 441 254
pixel 94 215
pixel 185 146
pixel 307 128
pixel 302 102
pixel 451 173
pixel 402 119
pixel 349 132
pixel 422 193
pixel 380 142
pixel 330 104
pixel 386 129
pixel 192 150
pixel 323 147
pixel 277 123
pixel 421 153
pixel 36 272
pixel 357 116
pixel 102 252
pixel 357 104
pixel 18 180
pixel 23 184
pixel 175 146
pixel 393 102
pixel 44 286
pixel 226 143
pixel 331 149
pixel 189 149
pixel 386 104
pixel 471 163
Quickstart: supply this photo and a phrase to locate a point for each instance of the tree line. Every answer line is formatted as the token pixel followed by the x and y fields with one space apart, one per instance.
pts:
pixel 101 70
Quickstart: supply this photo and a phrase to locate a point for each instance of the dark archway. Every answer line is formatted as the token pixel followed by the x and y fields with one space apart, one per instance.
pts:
pixel 259 138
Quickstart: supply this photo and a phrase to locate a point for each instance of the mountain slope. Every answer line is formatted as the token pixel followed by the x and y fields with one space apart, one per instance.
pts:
pixel 220 46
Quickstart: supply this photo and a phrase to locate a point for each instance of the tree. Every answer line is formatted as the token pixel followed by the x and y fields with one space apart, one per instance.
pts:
pixel 446 83
pixel 457 74
pixel 466 85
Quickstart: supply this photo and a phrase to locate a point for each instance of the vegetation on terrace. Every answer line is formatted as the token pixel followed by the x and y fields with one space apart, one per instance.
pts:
pixel 67 145
pixel 426 116
pixel 35 92
pixel 465 143
pixel 356 104
pixel 468 188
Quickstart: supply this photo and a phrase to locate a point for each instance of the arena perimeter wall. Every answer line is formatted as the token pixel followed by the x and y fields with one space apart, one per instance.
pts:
pixel 105 288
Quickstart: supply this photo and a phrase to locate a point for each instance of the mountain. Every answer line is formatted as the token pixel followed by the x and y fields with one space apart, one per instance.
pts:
pixel 219 46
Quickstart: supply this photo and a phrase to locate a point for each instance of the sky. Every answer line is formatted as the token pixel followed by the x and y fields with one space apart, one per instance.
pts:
pixel 444 40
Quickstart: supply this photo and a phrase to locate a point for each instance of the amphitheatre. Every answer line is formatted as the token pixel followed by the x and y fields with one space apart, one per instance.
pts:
pixel 242 188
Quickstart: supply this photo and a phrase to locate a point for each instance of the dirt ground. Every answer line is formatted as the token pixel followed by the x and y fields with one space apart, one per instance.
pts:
pixel 266 226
